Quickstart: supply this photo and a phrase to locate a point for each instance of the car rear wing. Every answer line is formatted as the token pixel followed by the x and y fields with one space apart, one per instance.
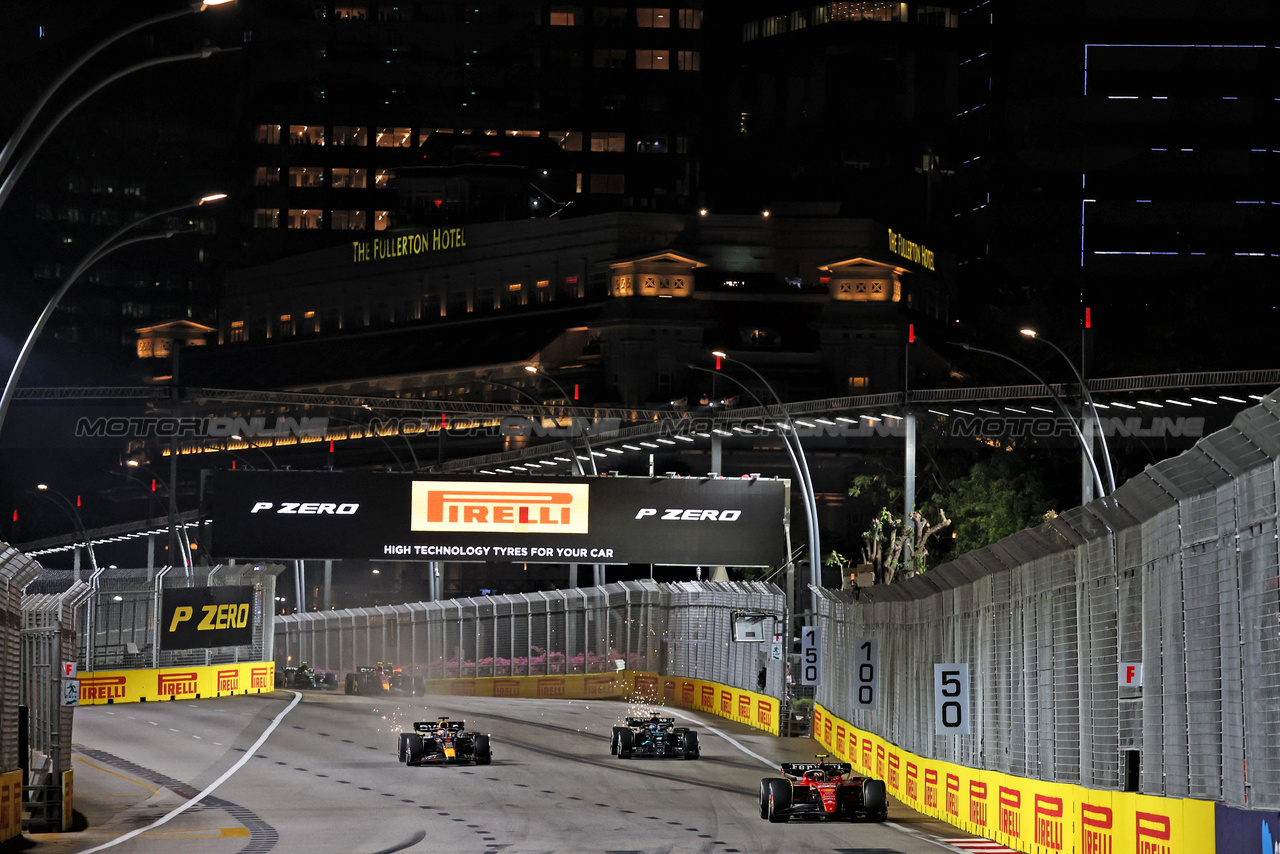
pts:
pixel 432 726
pixel 643 721
pixel 797 769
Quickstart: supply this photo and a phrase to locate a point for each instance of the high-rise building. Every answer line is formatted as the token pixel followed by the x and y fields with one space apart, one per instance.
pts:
pixel 1120 160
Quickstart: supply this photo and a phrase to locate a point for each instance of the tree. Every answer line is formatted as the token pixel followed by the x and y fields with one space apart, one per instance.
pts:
pixel 991 502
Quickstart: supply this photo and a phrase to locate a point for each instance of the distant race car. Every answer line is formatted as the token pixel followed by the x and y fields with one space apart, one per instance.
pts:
pixel 303 676
pixel 822 790
pixel 654 736
pixel 443 742
pixel 378 679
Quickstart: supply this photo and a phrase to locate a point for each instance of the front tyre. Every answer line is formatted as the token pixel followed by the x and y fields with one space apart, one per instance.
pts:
pixel 875 799
pixel 483 756
pixel 778 799
pixel 402 747
pixel 626 742
pixel 415 752
pixel 691 750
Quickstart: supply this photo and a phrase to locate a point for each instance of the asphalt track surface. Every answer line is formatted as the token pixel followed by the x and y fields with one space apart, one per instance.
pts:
pixel 265 773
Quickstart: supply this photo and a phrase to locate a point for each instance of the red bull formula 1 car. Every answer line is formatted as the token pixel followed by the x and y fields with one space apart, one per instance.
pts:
pixel 822 790
pixel 443 742
pixel 654 737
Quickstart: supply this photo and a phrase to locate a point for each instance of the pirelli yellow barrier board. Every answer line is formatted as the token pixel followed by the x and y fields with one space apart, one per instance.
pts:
pixel 1022 814
pixel 10 805
pixel 746 707
pixel 175 683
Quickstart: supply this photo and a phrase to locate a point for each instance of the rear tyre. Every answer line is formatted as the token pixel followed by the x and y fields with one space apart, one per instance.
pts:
pixel 875 799
pixel 778 799
pixel 626 741
pixel 402 746
pixel 691 750
pixel 415 752
pixel 483 756
pixel 331 679
pixel 352 686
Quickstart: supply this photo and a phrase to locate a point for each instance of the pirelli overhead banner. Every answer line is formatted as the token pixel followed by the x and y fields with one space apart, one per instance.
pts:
pixel 669 521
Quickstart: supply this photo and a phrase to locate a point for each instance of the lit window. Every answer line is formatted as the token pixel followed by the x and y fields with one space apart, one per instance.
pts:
pixel 534 133
pixel 266 218
pixel 691 19
pixel 570 140
pixel 306 176
pixel 266 176
pixel 689 60
pixel 544 283
pixel 389 137
pixel 356 178
pixel 654 60
pixel 305 218
pixel 348 135
pixel 380 220
pixel 380 177
pixel 608 141
pixel 653 18
pixel 268 134
pixel 859 382
pixel 565 16
pixel 514 287
pixel 426 133
pixel 652 145
pixel 306 135
pixel 347 220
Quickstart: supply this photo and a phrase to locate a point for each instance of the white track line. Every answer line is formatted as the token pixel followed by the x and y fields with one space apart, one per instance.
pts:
pixel 208 789
pixel 725 736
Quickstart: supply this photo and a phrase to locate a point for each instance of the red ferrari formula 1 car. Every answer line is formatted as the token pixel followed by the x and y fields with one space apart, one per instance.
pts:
pixel 822 790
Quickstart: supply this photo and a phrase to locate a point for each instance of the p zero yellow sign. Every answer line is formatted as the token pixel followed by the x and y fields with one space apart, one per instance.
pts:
pixel 507 508
pixel 200 617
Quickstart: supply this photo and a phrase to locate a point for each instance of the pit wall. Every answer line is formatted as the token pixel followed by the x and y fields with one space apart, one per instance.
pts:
pixel 1046 818
pixel 641 687
pixel 104 687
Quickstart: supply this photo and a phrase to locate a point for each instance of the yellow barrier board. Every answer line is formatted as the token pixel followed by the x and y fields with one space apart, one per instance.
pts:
pixel 10 805
pixel 756 710
pixel 101 687
pixel 1033 816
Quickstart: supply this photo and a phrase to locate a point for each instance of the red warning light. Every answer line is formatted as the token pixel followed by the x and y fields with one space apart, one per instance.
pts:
pixel 911 333
pixel 1088 317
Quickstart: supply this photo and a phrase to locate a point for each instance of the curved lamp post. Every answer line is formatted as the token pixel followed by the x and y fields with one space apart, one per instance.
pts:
pixel 25 125
pixel 21 165
pixel 534 369
pixel 1088 399
pixel 99 252
pixel 1088 452
pixel 806 480
pixel 257 448
pixel 176 543
pixel 64 504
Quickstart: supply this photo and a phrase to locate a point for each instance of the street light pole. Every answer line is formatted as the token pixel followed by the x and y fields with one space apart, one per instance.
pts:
pixel 99 252
pixel 1074 426
pixel 573 454
pixel 73 514
pixel 1088 399
pixel 175 542
pixel 534 369
pixel 795 464
pixel 25 125
pixel 806 479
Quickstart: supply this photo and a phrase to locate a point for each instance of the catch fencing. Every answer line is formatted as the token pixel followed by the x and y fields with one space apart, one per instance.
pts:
pixel 121 627
pixel 48 638
pixel 679 629
pixel 1132 644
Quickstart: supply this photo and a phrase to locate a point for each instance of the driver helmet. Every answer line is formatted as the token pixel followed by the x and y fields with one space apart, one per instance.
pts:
pixel 818 775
